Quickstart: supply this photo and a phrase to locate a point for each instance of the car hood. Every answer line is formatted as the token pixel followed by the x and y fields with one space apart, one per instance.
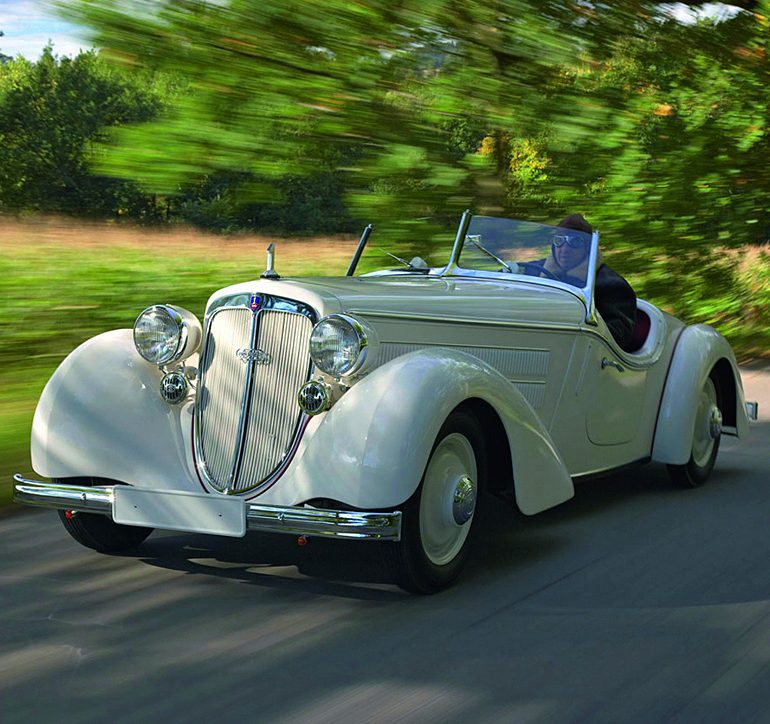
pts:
pixel 455 298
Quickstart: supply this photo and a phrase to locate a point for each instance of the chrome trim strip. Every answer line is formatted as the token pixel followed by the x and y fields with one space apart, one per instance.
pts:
pixel 460 320
pixel 359 525
pixel 600 472
pixel 64 497
pixel 349 524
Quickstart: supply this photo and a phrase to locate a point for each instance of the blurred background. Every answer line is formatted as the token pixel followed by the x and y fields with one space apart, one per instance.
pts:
pixel 149 151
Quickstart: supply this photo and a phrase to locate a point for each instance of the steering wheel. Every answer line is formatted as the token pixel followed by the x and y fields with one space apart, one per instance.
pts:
pixel 537 269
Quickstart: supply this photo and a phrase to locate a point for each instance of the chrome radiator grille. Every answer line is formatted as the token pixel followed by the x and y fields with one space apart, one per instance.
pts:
pixel 252 365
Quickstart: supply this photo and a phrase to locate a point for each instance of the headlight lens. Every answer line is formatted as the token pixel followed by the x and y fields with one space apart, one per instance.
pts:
pixel 165 334
pixel 337 344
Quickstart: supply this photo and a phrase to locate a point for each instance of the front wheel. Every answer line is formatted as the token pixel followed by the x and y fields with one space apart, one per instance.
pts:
pixel 437 520
pixel 705 439
pixel 97 531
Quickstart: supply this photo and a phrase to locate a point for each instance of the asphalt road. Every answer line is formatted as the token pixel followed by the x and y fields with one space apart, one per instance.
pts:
pixel 633 602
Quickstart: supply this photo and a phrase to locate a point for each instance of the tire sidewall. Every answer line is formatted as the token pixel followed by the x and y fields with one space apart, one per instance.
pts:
pixel 99 532
pixel 423 572
pixel 691 474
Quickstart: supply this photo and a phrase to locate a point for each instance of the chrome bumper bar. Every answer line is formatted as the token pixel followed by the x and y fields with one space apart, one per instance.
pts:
pixel 350 524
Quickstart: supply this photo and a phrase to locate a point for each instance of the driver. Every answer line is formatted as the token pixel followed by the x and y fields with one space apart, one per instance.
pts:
pixel 615 299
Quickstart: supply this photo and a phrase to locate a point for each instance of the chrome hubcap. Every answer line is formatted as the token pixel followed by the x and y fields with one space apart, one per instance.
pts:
pixel 715 423
pixel 708 425
pixel 464 501
pixel 448 499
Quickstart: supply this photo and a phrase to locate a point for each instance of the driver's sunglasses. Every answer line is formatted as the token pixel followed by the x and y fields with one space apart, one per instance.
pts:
pixel 574 242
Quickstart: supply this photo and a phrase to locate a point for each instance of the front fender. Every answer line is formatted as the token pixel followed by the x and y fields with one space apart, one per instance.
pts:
pixel 101 415
pixel 371 448
pixel 699 349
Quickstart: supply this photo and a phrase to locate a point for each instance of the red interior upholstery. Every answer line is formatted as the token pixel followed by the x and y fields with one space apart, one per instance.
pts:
pixel 641 330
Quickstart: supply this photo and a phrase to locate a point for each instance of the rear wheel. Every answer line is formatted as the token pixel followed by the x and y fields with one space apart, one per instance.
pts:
pixel 438 519
pixel 97 531
pixel 705 440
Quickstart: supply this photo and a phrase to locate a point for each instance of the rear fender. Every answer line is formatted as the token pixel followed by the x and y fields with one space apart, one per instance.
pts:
pixel 371 448
pixel 699 350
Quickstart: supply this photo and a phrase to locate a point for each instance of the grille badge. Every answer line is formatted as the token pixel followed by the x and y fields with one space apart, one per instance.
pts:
pixel 254 302
pixel 258 356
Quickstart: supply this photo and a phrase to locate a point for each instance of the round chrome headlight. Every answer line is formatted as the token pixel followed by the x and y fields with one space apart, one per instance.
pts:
pixel 338 345
pixel 164 334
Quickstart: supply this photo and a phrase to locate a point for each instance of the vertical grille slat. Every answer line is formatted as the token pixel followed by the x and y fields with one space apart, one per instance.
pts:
pixel 273 414
pixel 219 401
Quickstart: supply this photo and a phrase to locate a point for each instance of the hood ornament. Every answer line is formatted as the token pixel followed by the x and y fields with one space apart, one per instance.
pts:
pixel 270 272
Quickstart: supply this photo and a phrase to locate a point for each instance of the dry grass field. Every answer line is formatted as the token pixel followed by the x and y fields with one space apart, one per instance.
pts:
pixel 103 239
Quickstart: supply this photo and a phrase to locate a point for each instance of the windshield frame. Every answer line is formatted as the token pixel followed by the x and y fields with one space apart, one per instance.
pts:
pixel 586 294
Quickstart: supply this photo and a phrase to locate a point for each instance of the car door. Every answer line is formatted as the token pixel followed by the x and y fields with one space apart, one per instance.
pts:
pixel 615 394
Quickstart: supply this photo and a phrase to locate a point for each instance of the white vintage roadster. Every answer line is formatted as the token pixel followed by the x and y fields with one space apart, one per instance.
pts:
pixel 376 407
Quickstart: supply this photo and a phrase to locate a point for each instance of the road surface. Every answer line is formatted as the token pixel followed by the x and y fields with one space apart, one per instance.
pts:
pixel 634 602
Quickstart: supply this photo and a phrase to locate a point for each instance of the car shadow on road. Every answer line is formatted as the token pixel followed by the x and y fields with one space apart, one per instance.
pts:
pixel 507 540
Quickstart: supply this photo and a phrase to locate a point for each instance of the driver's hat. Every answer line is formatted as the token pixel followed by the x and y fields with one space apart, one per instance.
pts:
pixel 576 222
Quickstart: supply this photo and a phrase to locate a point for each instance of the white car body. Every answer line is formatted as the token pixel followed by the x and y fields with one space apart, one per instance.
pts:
pixel 541 371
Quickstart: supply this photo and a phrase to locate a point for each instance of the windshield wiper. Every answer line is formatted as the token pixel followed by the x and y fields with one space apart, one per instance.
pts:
pixel 409 264
pixel 474 239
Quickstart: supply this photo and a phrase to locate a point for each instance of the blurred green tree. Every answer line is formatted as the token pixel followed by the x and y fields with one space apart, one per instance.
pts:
pixel 52 114
pixel 654 128
pixel 274 85
pixel 678 173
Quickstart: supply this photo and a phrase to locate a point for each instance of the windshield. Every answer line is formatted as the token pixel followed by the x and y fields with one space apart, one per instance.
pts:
pixel 493 244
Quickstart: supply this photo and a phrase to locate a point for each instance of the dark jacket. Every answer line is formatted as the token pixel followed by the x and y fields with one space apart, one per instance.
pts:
pixel 616 302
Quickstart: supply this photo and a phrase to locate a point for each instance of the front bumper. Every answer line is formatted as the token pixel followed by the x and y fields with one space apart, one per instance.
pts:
pixel 350 524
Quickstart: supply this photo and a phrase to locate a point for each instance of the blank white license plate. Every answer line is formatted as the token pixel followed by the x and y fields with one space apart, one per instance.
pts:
pixel 178 510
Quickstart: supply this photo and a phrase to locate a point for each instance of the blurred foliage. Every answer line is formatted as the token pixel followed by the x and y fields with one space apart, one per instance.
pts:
pixel 655 129
pixel 273 114
pixel 52 113
pixel 56 118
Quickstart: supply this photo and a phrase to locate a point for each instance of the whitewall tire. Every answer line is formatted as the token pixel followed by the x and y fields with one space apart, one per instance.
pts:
pixel 438 520
pixel 706 436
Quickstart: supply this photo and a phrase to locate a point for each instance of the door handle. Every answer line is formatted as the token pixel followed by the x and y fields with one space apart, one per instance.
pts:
pixel 607 362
